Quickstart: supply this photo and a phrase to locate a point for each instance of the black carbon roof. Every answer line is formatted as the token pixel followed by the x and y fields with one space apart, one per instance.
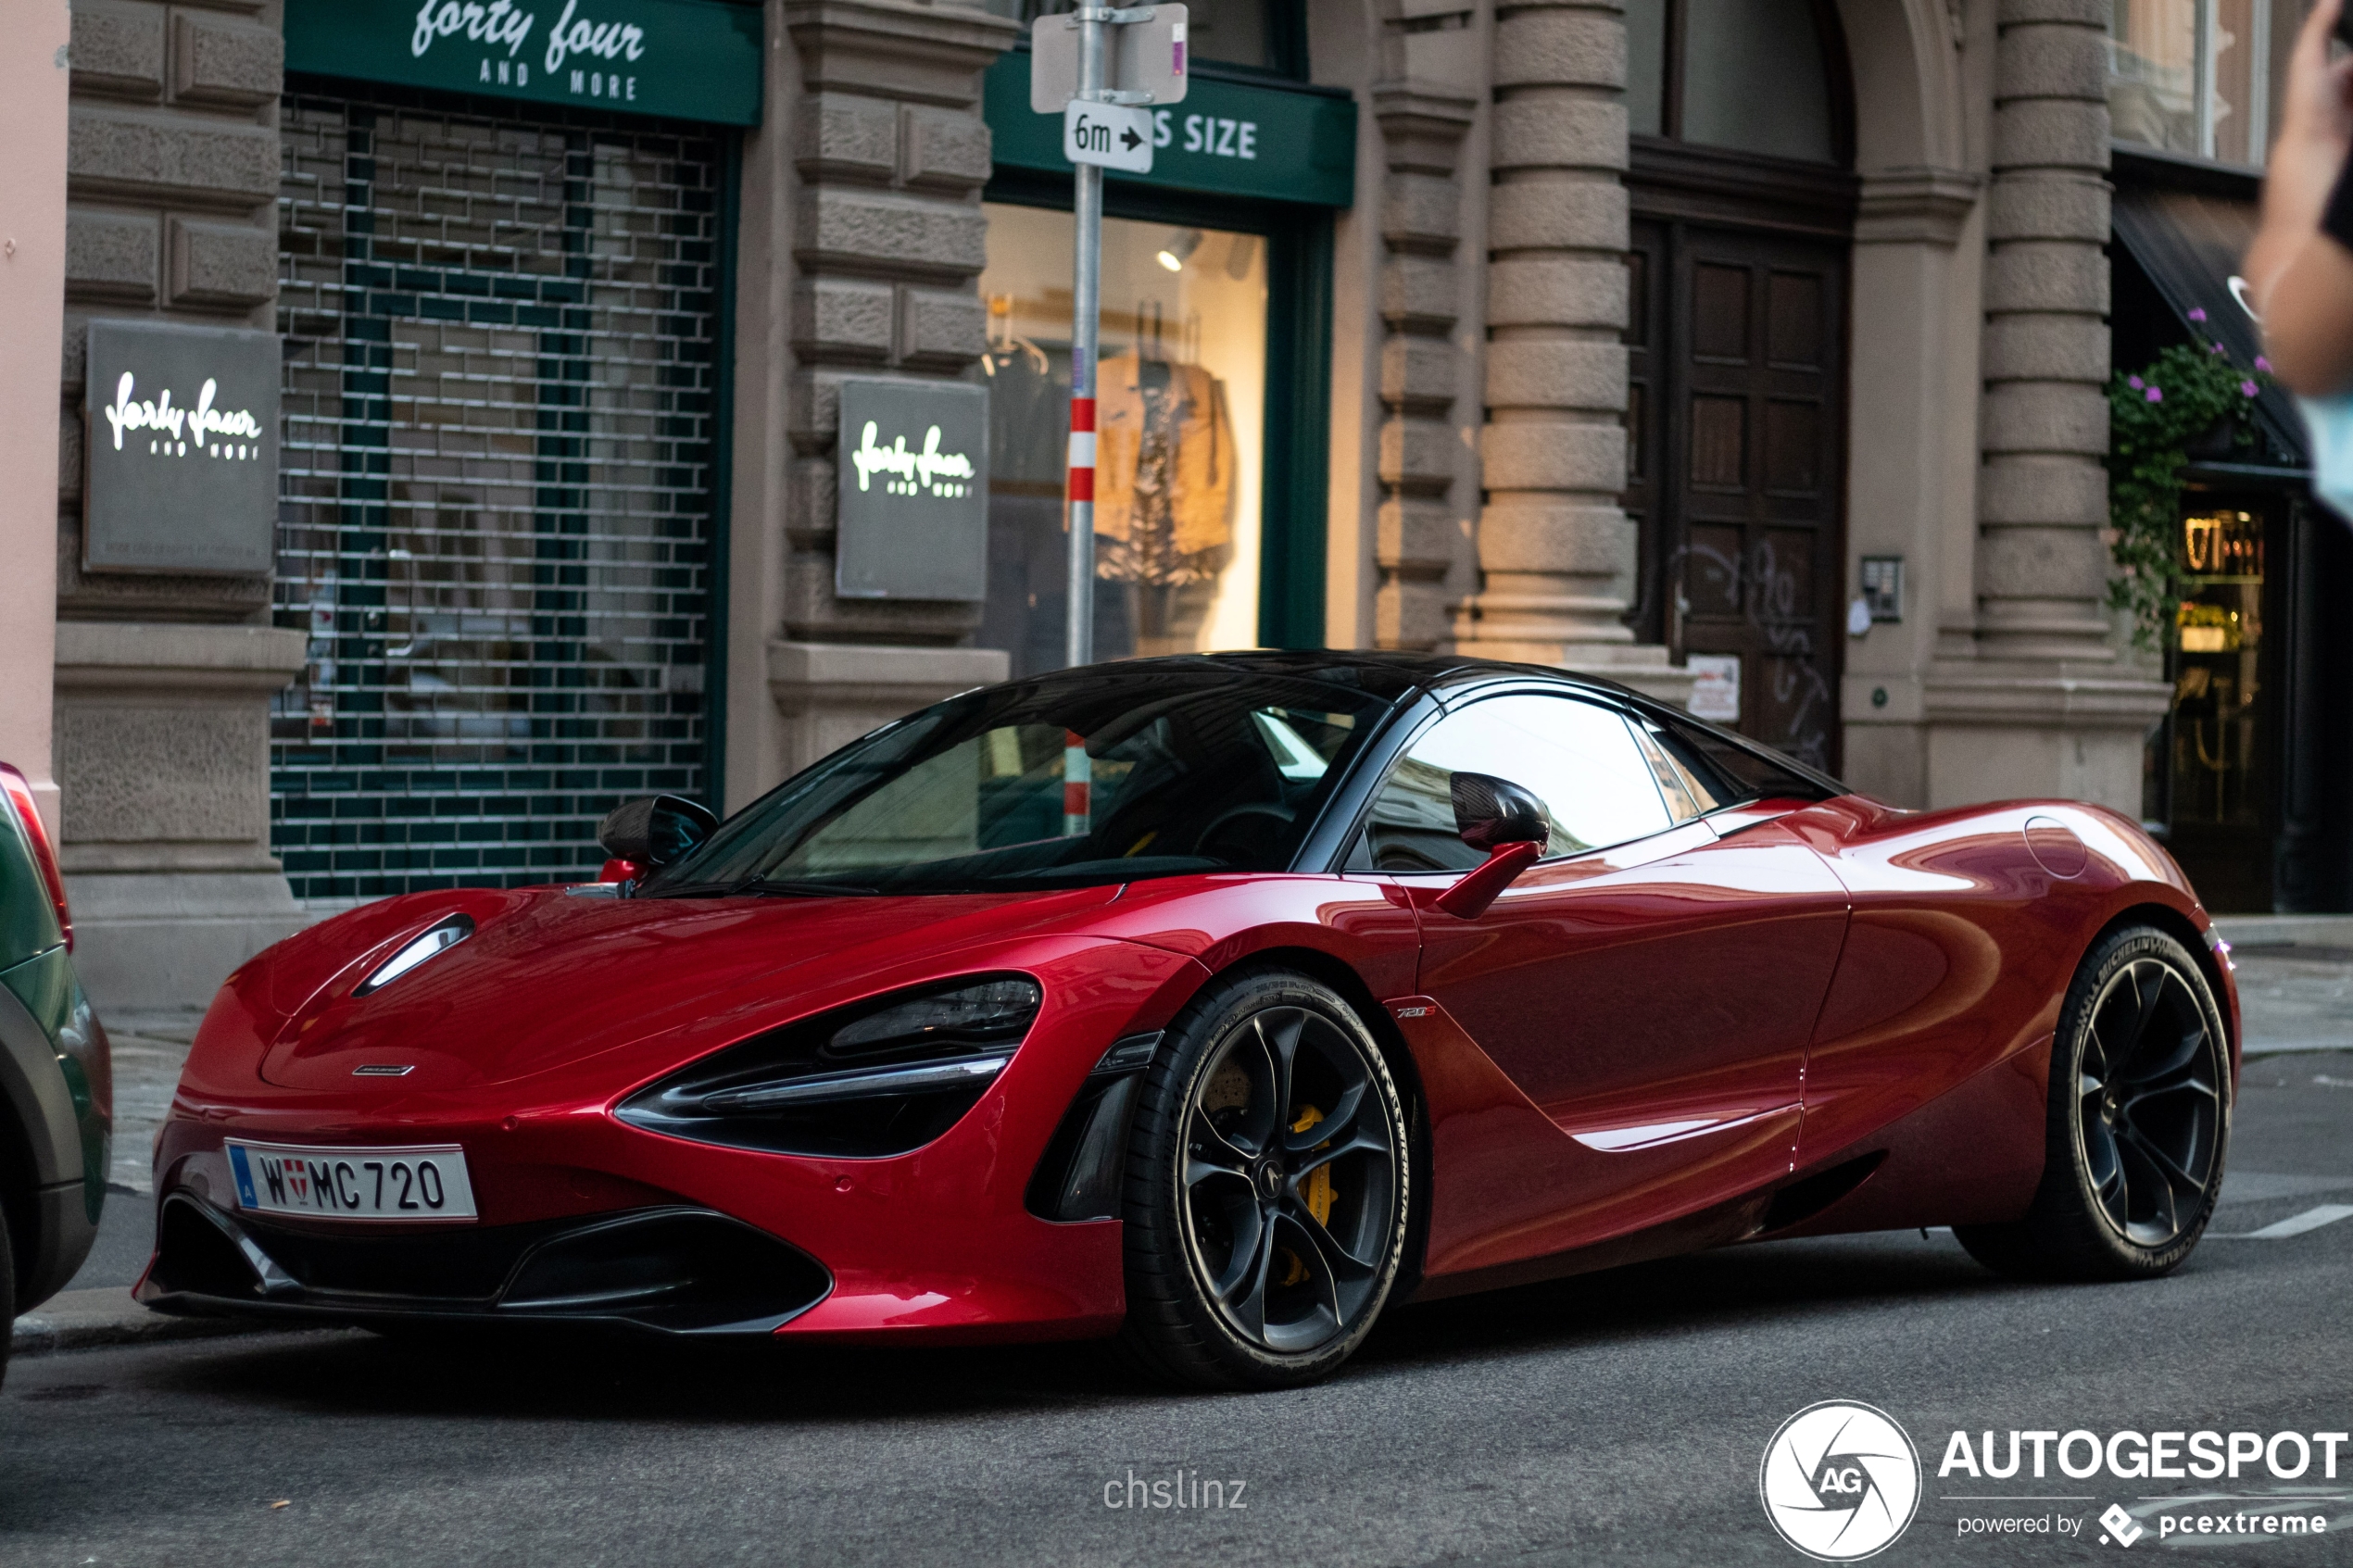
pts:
pixel 1390 673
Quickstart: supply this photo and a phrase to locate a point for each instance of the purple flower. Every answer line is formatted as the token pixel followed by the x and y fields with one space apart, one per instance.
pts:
pixel 2157 394
pixel 2262 364
pixel 2196 314
pixel 2134 381
pixel 2247 389
pixel 2214 348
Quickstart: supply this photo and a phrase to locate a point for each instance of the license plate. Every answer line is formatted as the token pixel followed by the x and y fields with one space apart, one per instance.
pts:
pixel 413 1182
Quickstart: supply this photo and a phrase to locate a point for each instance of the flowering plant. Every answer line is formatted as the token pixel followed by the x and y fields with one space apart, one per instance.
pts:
pixel 2189 391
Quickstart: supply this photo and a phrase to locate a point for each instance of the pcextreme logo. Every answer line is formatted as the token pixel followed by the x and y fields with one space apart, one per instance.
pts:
pixel 1840 1481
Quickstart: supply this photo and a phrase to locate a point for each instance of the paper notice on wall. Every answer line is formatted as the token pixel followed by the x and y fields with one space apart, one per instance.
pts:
pixel 1716 686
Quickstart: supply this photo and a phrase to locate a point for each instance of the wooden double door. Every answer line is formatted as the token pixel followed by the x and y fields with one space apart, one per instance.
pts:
pixel 1737 470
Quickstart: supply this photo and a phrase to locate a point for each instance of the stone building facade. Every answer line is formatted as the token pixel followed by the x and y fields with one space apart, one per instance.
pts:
pixel 163 681
pixel 1462 365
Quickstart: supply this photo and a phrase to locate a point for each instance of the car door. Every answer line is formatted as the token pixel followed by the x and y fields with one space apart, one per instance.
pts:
pixel 1650 984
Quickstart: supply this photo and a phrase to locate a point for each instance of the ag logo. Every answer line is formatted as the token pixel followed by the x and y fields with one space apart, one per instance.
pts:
pixel 1840 1481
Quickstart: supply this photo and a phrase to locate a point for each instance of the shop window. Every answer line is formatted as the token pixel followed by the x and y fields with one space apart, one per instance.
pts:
pixel 1755 76
pixel 2196 76
pixel 2216 795
pixel 1180 420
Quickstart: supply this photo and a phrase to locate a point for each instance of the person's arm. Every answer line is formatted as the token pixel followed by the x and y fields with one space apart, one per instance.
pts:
pixel 2299 270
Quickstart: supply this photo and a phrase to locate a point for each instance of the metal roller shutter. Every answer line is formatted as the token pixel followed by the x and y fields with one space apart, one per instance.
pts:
pixel 497 503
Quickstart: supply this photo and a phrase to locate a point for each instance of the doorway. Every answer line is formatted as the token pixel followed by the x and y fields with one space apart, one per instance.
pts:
pixel 2217 754
pixel 1744 207
pixel 1737 467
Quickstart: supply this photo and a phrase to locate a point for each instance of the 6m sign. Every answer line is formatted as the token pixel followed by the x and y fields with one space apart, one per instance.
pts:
pixel 1111 134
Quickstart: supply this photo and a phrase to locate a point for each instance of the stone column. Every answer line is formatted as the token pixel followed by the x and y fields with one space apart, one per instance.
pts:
pixel 163 679
pixel 2038 702
pixel 1555 549
pixel 2043 496
pixel 1422 129
pixel 888 153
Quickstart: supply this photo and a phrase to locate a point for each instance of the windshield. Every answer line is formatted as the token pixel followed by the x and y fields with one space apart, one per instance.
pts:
pixel 1061 782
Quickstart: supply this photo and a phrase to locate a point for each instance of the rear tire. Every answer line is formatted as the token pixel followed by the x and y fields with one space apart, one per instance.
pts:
pixel 1268 1188
pixel 2138 1123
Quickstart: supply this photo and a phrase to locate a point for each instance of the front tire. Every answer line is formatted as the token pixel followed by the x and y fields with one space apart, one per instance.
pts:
pixel 1268 1188
pixel 2139 1120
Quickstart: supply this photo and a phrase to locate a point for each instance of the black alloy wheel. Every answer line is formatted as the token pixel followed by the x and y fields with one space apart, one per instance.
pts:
pixel 2149 1092
pixel 1267 1187
pixel 2139 1110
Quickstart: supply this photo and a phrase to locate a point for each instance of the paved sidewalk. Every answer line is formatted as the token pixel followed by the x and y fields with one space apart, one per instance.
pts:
pixel 2295 990
pixel 149 1050
pixel 2295 980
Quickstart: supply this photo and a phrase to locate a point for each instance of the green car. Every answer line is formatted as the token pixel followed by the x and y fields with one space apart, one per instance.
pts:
pixel 57 1085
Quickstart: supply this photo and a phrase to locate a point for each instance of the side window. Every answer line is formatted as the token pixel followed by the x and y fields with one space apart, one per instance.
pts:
pixel 1582 760
pixel 1717 767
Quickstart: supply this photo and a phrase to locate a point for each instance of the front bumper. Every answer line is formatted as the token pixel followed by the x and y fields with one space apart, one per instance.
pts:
pixel 939 1242
pixel 669 1270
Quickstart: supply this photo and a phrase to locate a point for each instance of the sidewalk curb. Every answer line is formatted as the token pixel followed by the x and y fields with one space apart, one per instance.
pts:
pixel 85 1320
pixel 2285 931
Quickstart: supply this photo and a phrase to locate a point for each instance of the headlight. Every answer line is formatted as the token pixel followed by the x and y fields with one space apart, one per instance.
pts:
pixel 993 1012
pixel 878 1079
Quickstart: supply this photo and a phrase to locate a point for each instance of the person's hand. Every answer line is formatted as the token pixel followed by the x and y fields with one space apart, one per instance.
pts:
pixel 2316 129
pixel 2299 280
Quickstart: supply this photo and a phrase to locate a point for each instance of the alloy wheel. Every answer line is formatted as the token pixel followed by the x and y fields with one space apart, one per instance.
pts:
pixel 2149 1092
pixel 1288 1180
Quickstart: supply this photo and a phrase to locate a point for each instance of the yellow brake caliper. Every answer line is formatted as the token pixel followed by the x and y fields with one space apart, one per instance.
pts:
pixel 1316 1191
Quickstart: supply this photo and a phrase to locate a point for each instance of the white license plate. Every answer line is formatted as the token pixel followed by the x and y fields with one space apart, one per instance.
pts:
pixel 413 1182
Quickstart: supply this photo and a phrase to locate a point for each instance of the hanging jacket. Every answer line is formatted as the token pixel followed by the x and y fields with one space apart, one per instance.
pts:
pixel 1202 430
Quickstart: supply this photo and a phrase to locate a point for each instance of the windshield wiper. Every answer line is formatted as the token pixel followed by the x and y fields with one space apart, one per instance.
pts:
pixel 760 887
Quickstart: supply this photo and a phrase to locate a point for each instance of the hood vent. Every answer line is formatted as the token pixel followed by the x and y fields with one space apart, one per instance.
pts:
pixel 437 939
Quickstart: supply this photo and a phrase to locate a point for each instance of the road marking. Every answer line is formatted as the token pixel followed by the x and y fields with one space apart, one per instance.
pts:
pixel 2311 1220
pixel 2258 1186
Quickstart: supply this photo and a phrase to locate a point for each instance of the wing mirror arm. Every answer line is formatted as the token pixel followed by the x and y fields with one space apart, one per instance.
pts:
pixel 1468 899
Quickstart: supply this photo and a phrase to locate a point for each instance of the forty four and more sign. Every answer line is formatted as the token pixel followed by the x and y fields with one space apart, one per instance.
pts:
pixel 684 59
pixel 589 45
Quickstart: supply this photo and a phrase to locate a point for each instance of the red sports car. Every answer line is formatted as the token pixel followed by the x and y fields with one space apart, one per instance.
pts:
pixel 1212 1003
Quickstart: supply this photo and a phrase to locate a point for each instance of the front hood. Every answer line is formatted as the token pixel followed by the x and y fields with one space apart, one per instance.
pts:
pixel 548 979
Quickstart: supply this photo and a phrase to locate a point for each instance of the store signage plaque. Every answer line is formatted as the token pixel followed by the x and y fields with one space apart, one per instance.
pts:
pixel 684 59
pixel 1229 138
pixel 181 448
pixel 913 487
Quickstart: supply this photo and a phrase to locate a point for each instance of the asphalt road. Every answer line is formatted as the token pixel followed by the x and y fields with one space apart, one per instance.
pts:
pixel 1618 1417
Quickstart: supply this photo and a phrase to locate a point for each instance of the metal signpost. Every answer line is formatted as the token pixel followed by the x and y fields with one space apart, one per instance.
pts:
pixel 1098 89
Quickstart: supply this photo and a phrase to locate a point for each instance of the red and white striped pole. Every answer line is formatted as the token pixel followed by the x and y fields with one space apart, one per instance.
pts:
pixel 1081 627
pixel 1078 777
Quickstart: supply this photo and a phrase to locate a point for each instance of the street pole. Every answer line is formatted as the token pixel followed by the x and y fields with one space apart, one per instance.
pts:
pixel 1085 302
